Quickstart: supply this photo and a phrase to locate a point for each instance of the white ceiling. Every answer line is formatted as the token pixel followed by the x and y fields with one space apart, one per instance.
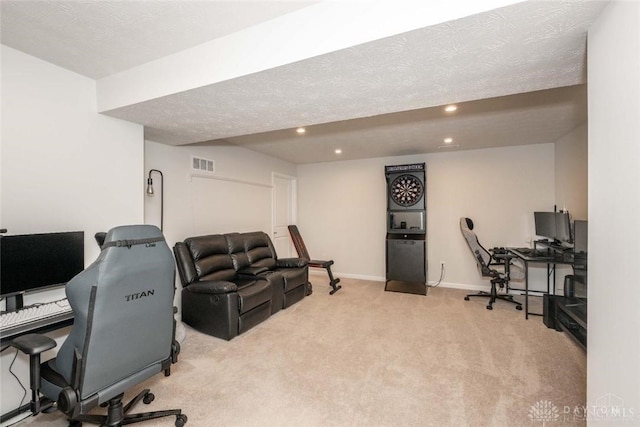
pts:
pixel 97 38
pixel 517 73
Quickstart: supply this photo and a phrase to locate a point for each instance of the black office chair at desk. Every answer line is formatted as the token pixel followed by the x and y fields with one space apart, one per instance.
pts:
pixel 123 333
pixel 491 267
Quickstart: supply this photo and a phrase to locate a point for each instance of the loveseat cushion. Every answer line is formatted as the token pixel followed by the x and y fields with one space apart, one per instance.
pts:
pixel 252 293
pixel 293 277
pixel 260 252
pixel 211 257
pixel 235 246
pixel 253 271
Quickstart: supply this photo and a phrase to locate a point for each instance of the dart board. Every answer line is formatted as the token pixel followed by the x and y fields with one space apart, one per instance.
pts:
pixel 406 190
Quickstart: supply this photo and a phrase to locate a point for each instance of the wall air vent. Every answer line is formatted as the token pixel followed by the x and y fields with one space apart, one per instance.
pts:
pixel 198 164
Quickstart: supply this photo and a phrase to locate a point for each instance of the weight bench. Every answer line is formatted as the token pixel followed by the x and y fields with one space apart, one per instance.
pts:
pixel 303 253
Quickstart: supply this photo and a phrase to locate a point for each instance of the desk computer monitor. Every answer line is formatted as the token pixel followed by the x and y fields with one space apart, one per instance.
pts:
pixel 31 262
pixel 563 227
pixel 545 224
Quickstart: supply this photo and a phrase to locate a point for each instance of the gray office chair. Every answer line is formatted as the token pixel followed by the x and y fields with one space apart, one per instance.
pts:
pixel 499 269
pixel 123 332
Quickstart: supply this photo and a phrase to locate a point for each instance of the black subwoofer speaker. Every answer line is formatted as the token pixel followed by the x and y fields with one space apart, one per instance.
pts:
pixel 549 311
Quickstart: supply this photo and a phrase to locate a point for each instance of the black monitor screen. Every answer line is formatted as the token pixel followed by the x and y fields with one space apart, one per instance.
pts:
pixel 545 224
pixel 563 227
pixel 32 261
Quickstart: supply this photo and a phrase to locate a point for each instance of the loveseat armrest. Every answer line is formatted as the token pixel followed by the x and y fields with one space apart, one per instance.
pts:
pixel 291 262
pixel 252 271
pixel 214 287
pixel 184 261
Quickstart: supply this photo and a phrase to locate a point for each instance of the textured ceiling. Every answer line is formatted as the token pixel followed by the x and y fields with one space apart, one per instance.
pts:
pixel 530 118
pixel 375 99
pixel 97 38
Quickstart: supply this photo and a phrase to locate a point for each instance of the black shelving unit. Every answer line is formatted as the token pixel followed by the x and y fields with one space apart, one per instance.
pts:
pixel 570 316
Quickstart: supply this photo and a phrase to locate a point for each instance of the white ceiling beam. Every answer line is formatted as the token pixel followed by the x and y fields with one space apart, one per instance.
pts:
pixel 309 32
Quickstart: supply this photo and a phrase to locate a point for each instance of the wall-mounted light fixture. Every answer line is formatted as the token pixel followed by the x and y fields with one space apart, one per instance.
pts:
pixel 150 192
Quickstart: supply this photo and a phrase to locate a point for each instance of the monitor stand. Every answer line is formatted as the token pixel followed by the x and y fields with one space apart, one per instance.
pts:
pixel 14 302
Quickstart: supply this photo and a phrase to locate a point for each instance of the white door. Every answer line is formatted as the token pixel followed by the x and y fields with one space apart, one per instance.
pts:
pixel 283 214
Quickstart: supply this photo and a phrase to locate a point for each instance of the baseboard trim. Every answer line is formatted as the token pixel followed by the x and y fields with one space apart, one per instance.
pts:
pixel 478 288
pixel 322 271
pixel 465 286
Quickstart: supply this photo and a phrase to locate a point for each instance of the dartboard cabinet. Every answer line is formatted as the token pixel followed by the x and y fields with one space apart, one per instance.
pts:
pixel 406 244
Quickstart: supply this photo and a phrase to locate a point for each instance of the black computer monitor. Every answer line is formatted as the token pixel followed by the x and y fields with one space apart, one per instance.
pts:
pixel 545 224
pixel 563 227
pixel 30 262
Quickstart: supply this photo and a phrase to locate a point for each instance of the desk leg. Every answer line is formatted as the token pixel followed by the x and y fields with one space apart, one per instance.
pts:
pixel 526 290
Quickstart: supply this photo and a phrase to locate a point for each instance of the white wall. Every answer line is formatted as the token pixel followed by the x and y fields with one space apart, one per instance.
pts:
pixel 613 366
pixel 64 167
pixel 342 207
pixel 571 172
pixel 236 198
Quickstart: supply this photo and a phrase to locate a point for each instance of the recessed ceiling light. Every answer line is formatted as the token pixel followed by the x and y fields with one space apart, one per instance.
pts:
pixel 338 151
pixel 448 140
pixel 301 130
pixel 450 108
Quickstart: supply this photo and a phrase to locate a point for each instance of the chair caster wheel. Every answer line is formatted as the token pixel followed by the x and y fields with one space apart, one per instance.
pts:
pixel 181 420
pixel 519 307
pixel 466 298
pixel 489 307
pixel 148 398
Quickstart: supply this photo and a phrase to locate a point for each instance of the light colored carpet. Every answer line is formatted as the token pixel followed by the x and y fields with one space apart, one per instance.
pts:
pixel 366 357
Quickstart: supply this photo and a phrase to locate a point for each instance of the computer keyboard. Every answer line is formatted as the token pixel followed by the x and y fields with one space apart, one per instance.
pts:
pixel 532 252
pixel 34 313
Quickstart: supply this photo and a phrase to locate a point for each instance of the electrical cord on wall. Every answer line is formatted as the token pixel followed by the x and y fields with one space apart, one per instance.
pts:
pixel 24 394
pixel 24 390
pixel 442 271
